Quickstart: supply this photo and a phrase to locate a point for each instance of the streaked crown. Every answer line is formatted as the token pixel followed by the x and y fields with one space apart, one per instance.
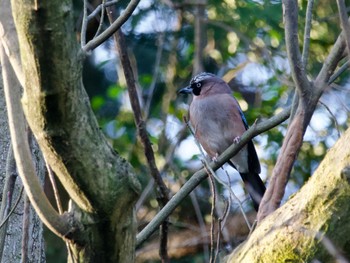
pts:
pixel 200 77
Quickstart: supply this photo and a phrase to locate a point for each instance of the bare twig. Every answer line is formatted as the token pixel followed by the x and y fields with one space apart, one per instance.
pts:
pixel 54 187
pixel 306 45
pixel 344 23
pixel 330 64
pixel 155 74
pixel 212 212
pixel 84 25
pixel 112 28
pixel 340 71
pixel 163 191
pixel 221 223
pixel 4 220
pixel 200 175
pixel 7 194
pixel 292 43
pixel 103 9
pixel 25 230
pixel 332 116
pixel 201 223
pixel 99 8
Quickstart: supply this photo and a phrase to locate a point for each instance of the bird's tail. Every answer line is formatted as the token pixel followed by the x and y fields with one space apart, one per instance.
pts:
pixel 255 187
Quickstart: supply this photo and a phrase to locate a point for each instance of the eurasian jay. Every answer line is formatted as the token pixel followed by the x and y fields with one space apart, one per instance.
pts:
pixel 218 121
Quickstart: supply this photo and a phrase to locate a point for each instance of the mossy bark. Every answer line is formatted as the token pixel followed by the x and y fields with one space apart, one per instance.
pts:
pixel 318 213
pixel 100 183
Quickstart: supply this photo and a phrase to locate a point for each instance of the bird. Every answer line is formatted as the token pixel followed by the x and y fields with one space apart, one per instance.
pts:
pixel 218 122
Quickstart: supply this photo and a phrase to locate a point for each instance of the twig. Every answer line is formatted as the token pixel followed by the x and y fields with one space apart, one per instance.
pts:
pixel 212 212
pixel 54 187
pixel 344 23
pixel 7 195
pixel 200 175
pixel 99 29
pixel 221 223
pixel 201 223
pixel 232 195
pixel 306 45
pixel 155 74
pixel 100 7
pixel 291 35
pixel 330 64
pixel 332 116
pixel 84 25
pixel 25 230
pixel 163 191
pixel 344 67
pixel 92 44
pixel 13 209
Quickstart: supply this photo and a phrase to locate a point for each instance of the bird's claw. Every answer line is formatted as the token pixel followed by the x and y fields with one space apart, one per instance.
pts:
pixel 215 158
pixel 236 139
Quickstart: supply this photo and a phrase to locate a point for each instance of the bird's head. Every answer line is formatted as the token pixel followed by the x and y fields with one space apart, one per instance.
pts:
pixel 203 83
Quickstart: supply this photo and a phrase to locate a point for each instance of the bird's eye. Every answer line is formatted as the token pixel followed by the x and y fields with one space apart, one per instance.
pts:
pixel 199 85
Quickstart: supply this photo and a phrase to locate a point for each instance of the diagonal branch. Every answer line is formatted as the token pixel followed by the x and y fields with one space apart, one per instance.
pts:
pixel 200 175
pixel 112 28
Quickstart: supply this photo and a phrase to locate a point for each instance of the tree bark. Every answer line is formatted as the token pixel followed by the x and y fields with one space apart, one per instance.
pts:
pixel 101 184
pixel 11 232
pixel 318 213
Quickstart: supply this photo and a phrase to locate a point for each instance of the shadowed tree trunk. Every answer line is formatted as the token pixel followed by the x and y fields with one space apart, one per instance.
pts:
pixel 100 226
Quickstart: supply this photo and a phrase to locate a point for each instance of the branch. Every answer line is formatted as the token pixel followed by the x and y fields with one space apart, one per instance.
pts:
pixel 59 225
pixel 163 191
pixel 292 44
pixel 307 30
pixel 100 7
pixel 200 175
pixel 321 205
pixel 112 28
pixel 344 23
pixel 330 64
pixel 84 25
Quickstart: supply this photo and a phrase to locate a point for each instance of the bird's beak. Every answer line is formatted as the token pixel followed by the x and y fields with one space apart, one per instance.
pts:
pixel 185 90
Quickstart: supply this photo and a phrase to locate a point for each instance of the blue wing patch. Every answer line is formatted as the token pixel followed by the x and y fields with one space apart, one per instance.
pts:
pixel 244 119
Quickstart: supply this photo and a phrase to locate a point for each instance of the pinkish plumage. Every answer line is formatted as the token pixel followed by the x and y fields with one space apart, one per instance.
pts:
pixel 218 121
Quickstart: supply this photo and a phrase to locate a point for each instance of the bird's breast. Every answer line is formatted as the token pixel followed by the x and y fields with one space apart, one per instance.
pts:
pixel 213 124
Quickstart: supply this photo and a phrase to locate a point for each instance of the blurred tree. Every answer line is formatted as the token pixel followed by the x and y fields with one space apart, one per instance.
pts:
pixel 168 42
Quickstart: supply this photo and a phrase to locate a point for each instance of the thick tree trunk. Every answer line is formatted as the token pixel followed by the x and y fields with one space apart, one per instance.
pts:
pixel 100 183
pixel 301 229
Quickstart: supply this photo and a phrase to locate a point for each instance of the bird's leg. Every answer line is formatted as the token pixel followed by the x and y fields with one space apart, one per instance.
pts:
pixel 215 158
pixel 236 139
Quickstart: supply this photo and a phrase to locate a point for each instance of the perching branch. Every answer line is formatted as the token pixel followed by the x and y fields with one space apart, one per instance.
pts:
pixel 112 28
pixel 200 175
pixel 59 225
